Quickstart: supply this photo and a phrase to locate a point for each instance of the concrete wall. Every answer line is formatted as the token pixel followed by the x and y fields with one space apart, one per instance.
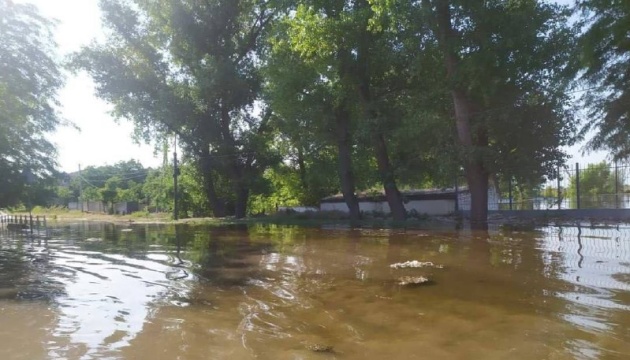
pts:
pixel 127 207
pixel 429 207
pixel 297 209
pixel 364 206
pixel 99 207
pixel 373 206
pixel 91 206
pixel 333 206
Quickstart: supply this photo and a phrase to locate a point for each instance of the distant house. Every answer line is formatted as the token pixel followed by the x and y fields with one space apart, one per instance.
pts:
pixel 429 202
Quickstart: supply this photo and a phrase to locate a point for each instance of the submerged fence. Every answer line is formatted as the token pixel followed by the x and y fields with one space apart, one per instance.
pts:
pixel 596 186
pixel 22 222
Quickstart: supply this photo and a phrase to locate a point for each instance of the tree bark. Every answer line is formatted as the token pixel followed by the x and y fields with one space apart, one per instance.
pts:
pixel 476 174
pixel 302 168
pixel 242 198
pixel 236 168
pixel 364 82
pixel 346 176
pixel 393 196
pixel 217 205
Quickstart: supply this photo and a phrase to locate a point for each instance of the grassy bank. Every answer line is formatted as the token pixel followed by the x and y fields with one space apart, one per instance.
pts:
pixel 63 215
pixel 309 219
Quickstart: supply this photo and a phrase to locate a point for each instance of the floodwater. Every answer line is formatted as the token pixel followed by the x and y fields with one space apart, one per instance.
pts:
pixel 99 291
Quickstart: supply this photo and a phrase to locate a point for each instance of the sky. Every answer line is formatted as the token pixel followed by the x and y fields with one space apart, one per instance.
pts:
pixel 100 139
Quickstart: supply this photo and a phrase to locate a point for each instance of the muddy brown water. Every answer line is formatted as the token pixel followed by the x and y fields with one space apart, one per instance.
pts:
pixel 99 291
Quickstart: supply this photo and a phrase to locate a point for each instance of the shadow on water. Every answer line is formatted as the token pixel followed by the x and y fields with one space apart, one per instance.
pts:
pixel 269 292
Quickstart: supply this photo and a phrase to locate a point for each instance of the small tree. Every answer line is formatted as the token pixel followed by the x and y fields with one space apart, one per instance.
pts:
pixel 109 193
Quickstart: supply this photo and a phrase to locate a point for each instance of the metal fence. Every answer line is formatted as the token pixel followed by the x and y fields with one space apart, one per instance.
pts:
pixel 595 186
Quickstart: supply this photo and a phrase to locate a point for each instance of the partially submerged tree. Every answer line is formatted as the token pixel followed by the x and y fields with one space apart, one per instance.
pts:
pixel 506 70
pixel 336 74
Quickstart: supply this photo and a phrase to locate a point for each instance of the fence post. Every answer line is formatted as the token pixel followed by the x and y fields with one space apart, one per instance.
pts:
pixel 559 190
pixel 577 184
pixel 456 194
pixel 510 191
pixel 616 187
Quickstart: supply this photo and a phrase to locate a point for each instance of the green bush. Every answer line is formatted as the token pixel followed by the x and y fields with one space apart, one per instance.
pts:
pixel 139 214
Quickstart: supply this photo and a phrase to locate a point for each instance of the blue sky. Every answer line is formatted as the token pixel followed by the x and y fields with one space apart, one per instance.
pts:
pixel 101 140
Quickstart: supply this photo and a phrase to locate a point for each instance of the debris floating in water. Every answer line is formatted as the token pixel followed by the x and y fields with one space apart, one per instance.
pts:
pixel 412 280
pixel 320 348
pixel 415 264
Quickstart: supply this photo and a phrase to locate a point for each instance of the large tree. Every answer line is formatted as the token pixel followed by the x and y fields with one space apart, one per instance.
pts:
pixel 605 57
pixel 334 72
pixel 29 80
pixel 191 67
pixel 506 69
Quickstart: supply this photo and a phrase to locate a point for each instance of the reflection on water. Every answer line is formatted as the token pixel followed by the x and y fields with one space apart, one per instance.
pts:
pixel 99 291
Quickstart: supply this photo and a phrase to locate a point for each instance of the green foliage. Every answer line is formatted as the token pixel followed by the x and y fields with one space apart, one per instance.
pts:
pixel 255 91
pixel 604 54
pixel 191 68
pixel 108 193
pixel 158 189
pixel 139 214
pixel 596 179
pixel 29 80
pixel 64 194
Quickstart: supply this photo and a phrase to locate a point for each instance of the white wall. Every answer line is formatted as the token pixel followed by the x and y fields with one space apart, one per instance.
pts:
pixel 91 206
pixel 431 207
pixel 336 206
pixel 297 209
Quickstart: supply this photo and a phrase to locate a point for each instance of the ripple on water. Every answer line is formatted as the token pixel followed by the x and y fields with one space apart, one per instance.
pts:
pixel 239 293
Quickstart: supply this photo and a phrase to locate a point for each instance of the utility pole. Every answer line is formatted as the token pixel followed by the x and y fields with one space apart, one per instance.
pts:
pixel 175 174
pixel 80 188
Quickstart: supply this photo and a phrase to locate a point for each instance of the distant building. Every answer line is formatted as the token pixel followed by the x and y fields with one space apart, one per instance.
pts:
pixel 120 208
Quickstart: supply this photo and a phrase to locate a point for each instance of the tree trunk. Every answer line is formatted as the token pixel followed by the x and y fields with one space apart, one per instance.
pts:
pixel 217 205
pixel 236 167
pixel 364 80
pixel 302 168
pixel 346 177
pixel 242 197
pixel 476 174
pixel 393 196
